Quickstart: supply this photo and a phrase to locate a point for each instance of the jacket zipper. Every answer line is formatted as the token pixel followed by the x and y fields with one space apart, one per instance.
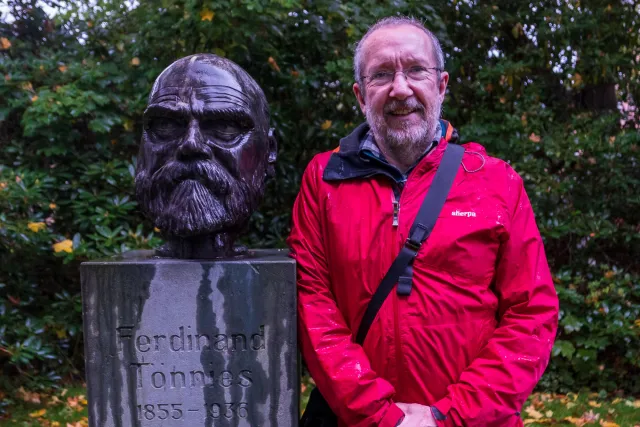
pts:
pixel 395 200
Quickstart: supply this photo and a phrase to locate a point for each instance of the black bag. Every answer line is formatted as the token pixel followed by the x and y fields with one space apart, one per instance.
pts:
pixel 318 413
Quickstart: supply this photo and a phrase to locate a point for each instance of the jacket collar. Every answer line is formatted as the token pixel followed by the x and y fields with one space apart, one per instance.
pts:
pixel 348 162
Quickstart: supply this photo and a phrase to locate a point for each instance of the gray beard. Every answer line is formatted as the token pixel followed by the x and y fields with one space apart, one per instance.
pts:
pixel 190 208
pixel 409 143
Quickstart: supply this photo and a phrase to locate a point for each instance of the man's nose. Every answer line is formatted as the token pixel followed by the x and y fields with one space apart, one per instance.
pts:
pixel 400 88
pixel 193 145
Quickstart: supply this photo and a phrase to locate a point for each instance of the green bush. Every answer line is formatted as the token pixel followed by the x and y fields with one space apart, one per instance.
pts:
pixel 534 84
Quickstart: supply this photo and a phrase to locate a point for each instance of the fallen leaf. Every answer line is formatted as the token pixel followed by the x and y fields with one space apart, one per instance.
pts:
pixel 534 138
pixel 38 414
pixel 13 300
pixel 326 124
pixel 4 43
pixel 34 98
pixel 206 14
pixel 533 413
pixel 633 404
pixel 52 206
pixel 62 68
pixel 135 61
pixel 63 246
pixel 608 424
pixel 594 404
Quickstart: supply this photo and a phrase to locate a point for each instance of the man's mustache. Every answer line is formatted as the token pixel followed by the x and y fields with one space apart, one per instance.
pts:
pixel 213 176
pixel 409 104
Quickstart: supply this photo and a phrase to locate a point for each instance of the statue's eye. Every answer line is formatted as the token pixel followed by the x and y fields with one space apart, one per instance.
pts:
pixel 167 127
pixel 224 130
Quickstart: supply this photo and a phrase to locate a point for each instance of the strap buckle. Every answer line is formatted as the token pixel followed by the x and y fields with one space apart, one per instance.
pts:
pixel 413 245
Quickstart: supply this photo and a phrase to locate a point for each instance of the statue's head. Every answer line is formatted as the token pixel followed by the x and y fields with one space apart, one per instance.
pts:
pixel 206 150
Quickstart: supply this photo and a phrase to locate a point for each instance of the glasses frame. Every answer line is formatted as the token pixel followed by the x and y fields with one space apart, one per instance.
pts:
pixel 367 79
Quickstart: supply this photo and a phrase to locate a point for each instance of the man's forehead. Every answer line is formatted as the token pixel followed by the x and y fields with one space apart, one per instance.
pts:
pixel 406 41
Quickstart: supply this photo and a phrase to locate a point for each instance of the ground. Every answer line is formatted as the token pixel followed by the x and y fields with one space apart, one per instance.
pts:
pixel 67 408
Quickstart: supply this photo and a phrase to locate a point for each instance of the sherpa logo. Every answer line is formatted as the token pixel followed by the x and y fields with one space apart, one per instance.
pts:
pixel 467 214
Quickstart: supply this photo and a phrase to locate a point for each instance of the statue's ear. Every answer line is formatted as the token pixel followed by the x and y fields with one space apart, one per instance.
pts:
pixel 273 146
pixel 273 153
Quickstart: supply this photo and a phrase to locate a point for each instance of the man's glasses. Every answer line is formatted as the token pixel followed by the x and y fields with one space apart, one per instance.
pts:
pixel 413 74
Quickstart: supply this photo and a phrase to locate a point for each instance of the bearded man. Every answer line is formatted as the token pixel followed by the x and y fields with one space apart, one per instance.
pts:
pixel 469 341
pixel 206 152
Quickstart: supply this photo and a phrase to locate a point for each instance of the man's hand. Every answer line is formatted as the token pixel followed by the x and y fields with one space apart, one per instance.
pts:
pixel 416 415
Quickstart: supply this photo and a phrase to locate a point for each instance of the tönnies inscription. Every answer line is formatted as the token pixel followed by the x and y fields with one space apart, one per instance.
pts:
pixel 184 341
pixel 178 379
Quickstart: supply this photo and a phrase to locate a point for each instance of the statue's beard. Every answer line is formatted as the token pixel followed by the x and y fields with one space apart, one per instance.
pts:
pixel 198 198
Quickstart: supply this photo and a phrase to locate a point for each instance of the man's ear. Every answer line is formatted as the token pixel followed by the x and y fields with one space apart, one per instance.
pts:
pixel 359 96
pixel 273 153
pixel 442 88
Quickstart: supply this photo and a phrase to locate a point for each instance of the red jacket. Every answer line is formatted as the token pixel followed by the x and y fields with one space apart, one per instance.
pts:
pixel 474 335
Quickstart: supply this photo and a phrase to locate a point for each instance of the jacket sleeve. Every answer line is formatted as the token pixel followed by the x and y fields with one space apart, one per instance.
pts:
pixel 339 367
pixel 492 390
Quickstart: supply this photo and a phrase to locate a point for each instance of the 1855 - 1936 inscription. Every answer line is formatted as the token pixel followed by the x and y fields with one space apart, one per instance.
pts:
pixel 158 376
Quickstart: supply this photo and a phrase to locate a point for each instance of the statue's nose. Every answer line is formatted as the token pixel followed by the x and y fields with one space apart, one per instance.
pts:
pixel 193 146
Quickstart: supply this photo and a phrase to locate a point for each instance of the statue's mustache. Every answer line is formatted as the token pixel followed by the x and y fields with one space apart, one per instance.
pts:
pixel 214 177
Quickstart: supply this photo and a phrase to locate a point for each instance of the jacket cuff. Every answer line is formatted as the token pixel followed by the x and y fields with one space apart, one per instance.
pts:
pixel 440 411
pixel 392 416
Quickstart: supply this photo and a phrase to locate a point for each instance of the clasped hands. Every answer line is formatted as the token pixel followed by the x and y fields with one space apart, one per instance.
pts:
pixel 416 415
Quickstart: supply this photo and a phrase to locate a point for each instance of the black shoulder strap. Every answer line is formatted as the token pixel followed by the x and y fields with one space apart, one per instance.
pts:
pixel 401 270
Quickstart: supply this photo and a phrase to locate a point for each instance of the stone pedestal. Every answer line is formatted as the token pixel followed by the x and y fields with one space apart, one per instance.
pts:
pixel 191 343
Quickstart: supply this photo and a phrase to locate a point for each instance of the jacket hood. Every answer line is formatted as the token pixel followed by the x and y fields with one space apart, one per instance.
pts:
pixel 347 161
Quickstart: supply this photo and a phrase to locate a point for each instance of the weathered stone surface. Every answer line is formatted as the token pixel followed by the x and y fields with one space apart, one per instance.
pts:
pixel 191 343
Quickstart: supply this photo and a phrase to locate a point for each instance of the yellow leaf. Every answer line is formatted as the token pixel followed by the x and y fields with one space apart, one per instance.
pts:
pixel 273 64
pixel 577 80
pixel 135 61
pixel 156 229
pixel 36 226
pixel 4 43
pixel 128 125
pixel 326 124
pixel 594 404
pixel 52 206
pixel 608 424
pixel 34 98
pixel 548 414
pixel 206 14
pixel 61 333
pixel 83 401
pixel 38 414
pixel 633 404
pixel 63 246
pixel 55 424
pixel 533 413
pixel 62 68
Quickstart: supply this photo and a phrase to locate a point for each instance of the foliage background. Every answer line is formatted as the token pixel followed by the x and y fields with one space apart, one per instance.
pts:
pixel 550 86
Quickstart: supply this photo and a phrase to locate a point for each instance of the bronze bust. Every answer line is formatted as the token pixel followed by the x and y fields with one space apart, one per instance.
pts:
pixel 206 152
